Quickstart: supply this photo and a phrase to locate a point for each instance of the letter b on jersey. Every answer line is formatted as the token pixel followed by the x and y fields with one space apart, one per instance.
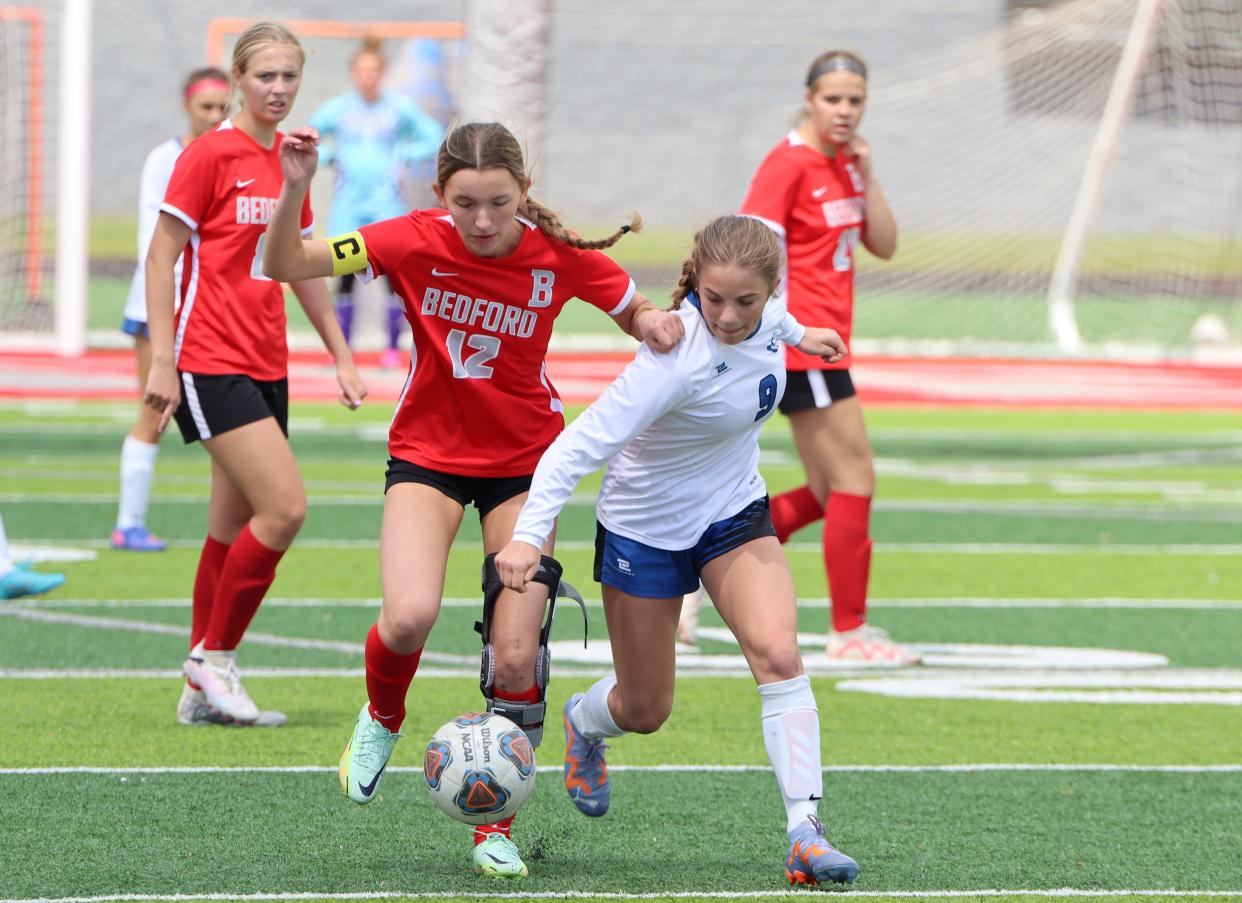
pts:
pixel 541 291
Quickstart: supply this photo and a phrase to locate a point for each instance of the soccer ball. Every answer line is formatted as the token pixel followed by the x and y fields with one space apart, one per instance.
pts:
pixel 479 768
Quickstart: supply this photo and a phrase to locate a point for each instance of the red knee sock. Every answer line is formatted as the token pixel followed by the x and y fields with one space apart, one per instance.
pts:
pixel 793 510
pixel 388 680
pixel 210 564
pixel 847 557
pixel 503 827
pixel 249 569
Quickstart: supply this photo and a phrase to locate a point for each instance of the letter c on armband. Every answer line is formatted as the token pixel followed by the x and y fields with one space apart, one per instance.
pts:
pixel 349 253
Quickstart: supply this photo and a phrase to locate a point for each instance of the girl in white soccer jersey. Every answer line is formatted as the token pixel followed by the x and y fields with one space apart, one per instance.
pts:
pixel 205 98
pixel 220 363
pixel 682 500
pixel 817 190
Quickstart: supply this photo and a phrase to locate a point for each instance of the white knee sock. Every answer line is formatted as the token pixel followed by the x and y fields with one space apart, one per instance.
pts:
pixel 137 471
pixel 791 737
pixel 591 716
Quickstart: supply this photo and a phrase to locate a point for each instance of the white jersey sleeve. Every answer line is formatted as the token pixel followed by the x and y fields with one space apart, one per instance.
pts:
pixel 650 386
pixel 791 331
pixel 156 171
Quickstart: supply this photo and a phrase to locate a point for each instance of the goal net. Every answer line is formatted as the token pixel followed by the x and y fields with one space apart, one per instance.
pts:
pixel 25 306
pixel 1011 181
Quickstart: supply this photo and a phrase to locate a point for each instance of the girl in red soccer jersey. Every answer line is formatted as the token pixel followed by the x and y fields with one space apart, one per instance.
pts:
pixel 222 371
pixel 817 191
pixel 482 282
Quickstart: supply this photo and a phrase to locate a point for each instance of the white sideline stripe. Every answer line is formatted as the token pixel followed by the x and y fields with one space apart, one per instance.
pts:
pixel 659 769
pixel 471 602
pixel 654 895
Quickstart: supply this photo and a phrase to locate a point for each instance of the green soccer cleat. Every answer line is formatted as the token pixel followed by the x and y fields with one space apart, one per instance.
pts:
pixel 498 857
pixel 365 757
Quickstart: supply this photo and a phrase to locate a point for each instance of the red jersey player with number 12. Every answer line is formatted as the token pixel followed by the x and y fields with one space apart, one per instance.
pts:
pixel 482 282
pixel 223 371
pixel 817 191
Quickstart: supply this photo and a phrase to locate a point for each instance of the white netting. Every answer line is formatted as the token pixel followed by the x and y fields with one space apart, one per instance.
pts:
pixel 23 300
pixel 986 143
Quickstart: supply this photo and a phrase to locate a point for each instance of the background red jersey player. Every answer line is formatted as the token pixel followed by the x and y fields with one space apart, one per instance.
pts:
pixel 482 282
pixel 223 369
pixel 818 192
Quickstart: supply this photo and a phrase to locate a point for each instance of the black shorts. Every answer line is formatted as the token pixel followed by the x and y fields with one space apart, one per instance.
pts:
pixel 214 404
pixel 806 389
pixel 485 492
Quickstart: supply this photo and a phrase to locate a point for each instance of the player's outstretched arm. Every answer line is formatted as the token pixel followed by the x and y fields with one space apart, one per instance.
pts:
pixel 286 255
pixel 661 329
pixel 823 342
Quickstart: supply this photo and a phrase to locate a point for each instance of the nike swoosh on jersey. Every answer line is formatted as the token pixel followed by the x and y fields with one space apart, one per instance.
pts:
pixel 241 184
pixel 819 192
pixel 436 272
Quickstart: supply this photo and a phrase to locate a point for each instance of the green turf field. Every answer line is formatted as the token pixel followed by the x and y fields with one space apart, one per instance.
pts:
pixel 1075 579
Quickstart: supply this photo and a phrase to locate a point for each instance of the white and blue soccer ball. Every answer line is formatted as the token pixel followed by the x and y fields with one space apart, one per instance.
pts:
pixel 479 768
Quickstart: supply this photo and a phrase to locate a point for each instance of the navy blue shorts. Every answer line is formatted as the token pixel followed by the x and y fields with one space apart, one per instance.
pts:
pixel 642 570
pixel 136 328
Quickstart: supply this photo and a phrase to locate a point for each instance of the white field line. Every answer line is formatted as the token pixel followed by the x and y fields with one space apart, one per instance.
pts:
pixel 258 638
pixel 1055 893
pixel 989 767
pixel 462 602
pixel 913 548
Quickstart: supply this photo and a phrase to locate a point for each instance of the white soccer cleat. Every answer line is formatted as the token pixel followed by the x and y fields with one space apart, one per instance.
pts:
pixel 217 674
pixel 869 644
pixel 688 623
pixel 193 709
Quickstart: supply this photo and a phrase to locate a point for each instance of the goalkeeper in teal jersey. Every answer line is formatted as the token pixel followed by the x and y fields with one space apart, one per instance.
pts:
pixel 371 137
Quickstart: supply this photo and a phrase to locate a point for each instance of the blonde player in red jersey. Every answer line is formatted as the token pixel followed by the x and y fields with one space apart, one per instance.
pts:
pixel 482 282
pixel 818 192
pixel 222 371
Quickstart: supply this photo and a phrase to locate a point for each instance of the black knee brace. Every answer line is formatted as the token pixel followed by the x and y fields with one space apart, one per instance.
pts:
pixel 529 716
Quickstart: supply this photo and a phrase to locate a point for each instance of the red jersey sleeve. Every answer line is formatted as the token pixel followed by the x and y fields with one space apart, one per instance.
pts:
pixel 388 242
pixel 600 281
pixel 192 187
pixel 773 190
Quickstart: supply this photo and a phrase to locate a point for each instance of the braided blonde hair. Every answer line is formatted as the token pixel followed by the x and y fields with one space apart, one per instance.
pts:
pixel 742 240
pixel 489 145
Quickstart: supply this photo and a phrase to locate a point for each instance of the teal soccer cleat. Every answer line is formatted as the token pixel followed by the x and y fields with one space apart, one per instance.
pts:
pixel 498 857
pixel 365 757
pixel 23 582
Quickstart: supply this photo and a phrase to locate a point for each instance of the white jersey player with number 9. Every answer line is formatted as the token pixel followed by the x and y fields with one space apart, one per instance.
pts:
pixel 682 501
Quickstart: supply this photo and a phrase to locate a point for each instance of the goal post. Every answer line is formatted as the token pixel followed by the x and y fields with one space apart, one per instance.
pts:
pixel 1061 320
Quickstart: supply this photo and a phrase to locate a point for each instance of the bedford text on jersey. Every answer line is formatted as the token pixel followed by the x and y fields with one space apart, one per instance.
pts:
pixel 492 316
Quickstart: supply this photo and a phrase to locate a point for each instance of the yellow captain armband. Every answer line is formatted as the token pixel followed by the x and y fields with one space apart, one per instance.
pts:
pixel 349 253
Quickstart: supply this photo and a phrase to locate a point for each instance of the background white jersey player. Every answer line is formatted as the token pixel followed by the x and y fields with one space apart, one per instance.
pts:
pixel 682 500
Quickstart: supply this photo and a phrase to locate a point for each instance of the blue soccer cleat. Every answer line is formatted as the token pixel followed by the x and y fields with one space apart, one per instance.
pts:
pixel 365 757
pixel 137 539
pixel 586 773
pixel 812 859
pixel 21 581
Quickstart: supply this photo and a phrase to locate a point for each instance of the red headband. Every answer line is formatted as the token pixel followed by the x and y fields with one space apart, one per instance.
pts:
pixel 204 83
